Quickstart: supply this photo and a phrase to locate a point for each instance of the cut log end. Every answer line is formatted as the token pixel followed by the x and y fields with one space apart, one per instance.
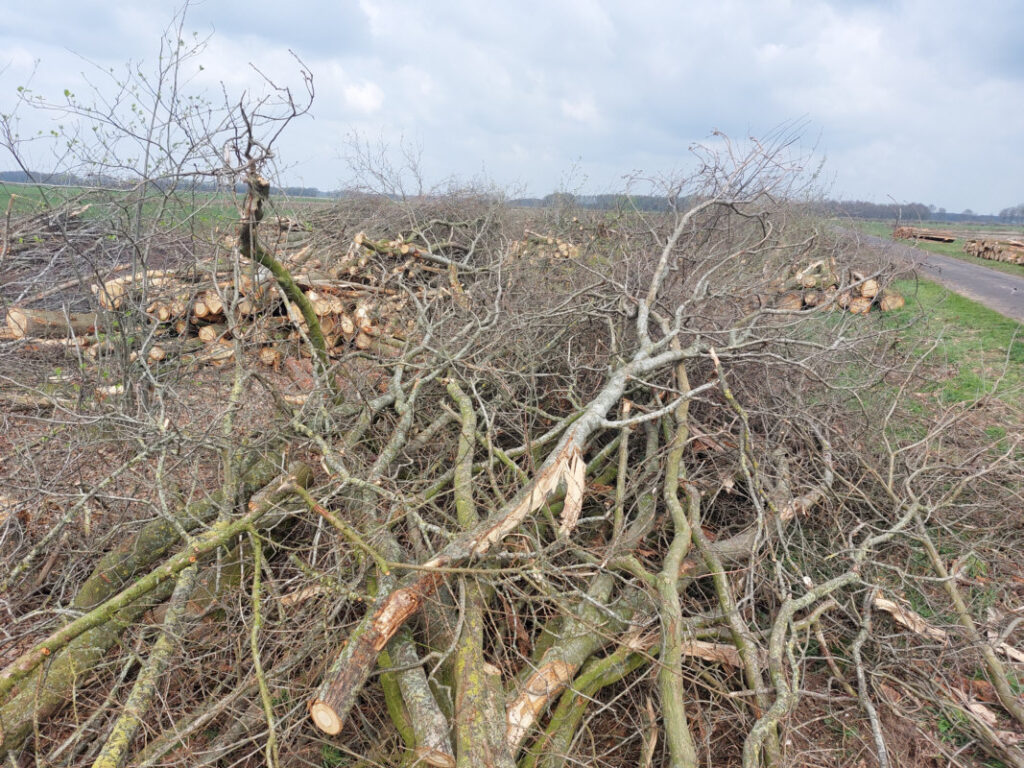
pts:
pixel 270 356
pixel 434 757
pixel 891 300
pixel 325 718
pixel 860 305
pixel 791 301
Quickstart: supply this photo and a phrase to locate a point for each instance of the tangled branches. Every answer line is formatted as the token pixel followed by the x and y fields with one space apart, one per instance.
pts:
pixel 583 495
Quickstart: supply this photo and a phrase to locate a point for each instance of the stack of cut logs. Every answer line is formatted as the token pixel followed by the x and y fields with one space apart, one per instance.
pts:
pixel 197 313
pixel 818 285
pixel 1009 251
pixel 536 245
pixel 917 233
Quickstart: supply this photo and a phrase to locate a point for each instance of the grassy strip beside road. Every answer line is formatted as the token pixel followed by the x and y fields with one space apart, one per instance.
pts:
pixel 980 352
pixel 954 250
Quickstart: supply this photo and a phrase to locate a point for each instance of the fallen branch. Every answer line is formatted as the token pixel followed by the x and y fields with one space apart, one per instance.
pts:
pixel 217 536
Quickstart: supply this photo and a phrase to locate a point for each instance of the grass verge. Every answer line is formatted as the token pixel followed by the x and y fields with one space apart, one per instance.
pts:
pixel 979 352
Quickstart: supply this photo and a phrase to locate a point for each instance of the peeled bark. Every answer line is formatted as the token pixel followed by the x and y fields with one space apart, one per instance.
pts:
pixel 349 671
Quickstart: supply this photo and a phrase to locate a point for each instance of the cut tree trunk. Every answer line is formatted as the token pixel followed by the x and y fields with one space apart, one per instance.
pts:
pixel 890 300
pixel 860 305
pixel 48 324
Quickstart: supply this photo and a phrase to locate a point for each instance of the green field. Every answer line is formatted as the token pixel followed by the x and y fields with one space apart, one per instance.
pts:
pixel 199 210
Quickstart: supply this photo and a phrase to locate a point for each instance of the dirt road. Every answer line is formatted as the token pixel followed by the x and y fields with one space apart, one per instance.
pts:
pixel 996 290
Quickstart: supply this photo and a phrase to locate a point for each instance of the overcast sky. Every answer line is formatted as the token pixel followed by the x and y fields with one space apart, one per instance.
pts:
pixel 914 100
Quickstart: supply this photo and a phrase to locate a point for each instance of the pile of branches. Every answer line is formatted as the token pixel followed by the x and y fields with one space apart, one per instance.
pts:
pixel 46 253
pixel 594 504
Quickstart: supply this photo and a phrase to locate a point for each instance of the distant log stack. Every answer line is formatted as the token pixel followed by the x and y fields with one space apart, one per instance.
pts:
pixel 1007 251
pixel 917 233
pixel 535 245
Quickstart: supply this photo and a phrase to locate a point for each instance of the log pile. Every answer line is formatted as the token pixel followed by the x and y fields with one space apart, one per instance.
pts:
pixel 819 285
pixel 540 246
pixel 358 304
pixel 359 298
pixel 1007 251
pixel 919 233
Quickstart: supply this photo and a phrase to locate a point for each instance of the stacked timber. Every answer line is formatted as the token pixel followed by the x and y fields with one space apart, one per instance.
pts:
pixel 1008 251
pixel 819 285
pixel 358 298
pixel 918 233
pixel 535 245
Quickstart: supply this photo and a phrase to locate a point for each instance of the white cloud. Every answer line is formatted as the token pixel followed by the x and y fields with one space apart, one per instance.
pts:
pixel 365 98
pixel 581 110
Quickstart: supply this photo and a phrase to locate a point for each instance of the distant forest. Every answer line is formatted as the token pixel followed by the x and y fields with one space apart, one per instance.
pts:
pixel 106 182
pixel 858 209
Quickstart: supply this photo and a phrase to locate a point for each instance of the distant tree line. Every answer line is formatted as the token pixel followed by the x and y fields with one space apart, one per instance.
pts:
pixel 1012 215
pixel 858 209
pixel 54 179
pixel 608 202
pixel 861 209
pixel 109 182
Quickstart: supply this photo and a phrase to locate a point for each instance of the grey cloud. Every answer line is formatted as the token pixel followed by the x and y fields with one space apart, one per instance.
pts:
pixel 895 90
